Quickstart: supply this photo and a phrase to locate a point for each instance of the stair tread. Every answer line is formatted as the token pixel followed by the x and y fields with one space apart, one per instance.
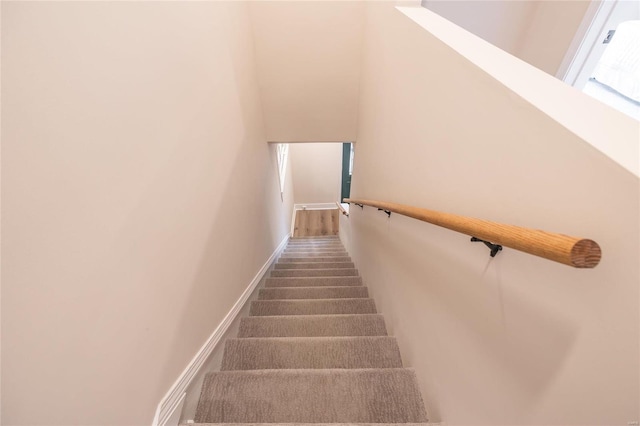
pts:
pixel 312 306
pixel 313 325
pixel 327 395
pixel 316 245
pixel 311 352
pixel 316 238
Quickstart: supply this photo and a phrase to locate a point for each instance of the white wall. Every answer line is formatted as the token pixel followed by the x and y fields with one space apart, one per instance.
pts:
pixel 503 23
pixel 517 339
pixel 308 56
pixel 539 32
pixel 317 172
pixel 551 32
pixel 130 222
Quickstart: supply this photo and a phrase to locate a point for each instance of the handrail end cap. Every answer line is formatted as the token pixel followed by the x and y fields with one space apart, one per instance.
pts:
pixel 585 254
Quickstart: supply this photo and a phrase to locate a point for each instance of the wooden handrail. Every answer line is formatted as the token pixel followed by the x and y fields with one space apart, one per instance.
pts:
pixel 342 209
pixel 576 252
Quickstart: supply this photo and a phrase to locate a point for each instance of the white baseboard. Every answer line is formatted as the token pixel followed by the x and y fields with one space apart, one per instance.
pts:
pixel 174 412
pixel 175 396
pixel 315 206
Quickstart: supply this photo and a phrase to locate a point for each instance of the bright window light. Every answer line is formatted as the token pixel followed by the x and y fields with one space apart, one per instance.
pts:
pixel 282 151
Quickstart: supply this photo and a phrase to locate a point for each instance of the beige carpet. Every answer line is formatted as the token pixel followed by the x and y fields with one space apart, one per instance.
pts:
pixel 313 325
pixel 313 292
pixel 313 350
pixel 312 281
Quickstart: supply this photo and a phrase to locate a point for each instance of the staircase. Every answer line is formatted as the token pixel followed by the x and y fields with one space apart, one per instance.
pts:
pixel 313 350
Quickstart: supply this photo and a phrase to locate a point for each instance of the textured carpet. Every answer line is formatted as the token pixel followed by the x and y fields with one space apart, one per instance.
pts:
pixel 315 265
pixel 380 395
pixel 314 252
pixel 312 281
pixel 312 351
pixel 313 325
pixel 344 272
pixel 315 259
pixel 313 307
pixel 279 293
pixel 312 424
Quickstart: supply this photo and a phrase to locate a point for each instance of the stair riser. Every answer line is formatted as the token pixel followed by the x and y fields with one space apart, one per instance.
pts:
pixel 312 281
pixel 313 249
pixel 317 243
pixel 312 424
pixel 312 255
pixel 315 254
pixel 313 259
pixel 283 293
pixel 317 238
pixel 314 273
pixel 315 265
pixel 312 307
pixel 311 353
pixel 388 395
pixel 313 326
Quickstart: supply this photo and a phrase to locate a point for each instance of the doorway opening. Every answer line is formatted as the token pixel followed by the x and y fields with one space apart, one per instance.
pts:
pixel 347 170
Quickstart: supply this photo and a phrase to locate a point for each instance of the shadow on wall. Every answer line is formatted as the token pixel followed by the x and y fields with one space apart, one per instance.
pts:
pixel 231 261
pixel 216 255
pixel 251 218
pixel 525 341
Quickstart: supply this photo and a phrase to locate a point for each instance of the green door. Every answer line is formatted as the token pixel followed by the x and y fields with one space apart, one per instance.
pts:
pixel 347 170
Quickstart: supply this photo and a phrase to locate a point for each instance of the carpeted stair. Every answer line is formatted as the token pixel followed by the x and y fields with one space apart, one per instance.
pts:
pixel 313 350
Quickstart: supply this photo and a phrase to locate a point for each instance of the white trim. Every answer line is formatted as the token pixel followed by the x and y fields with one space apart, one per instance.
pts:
pixel 174 412
pixel 172 399
pixel 568 68
pixel 286 141
pixel 315 206
pixel 344 208
pixel 293 220
pixel 588 36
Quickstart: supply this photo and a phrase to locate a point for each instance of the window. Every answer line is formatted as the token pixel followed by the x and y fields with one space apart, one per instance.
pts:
pixel 282 153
